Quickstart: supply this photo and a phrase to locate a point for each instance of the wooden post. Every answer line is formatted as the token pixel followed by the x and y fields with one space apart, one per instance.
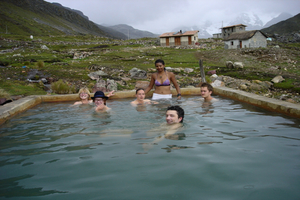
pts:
pixel 202 71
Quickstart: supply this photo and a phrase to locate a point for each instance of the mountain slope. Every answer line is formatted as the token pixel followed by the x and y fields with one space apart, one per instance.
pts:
pixel 281 17
pixel 132 33
pixel 37 17
pixel 284 27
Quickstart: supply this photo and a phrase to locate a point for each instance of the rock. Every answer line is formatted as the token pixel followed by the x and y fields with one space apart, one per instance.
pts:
pixel 229 64
pixel 100 86
pixel 243 87
pixel 277 79
pixel 218 83
pixel 111 85
pixel 80 55
pixel 126 79
pixel 188 70
pixel 142 84
pixel 211 72
pixel 177 70
pixel 238 65
pixel 169 69
pixel 136 73
pixel 44 47
pixel 98 74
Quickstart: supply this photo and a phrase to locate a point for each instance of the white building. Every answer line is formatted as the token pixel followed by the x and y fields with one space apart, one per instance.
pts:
pixel 246 39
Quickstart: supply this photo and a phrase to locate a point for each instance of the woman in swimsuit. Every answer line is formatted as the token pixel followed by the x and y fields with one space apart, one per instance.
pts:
pixel 162 80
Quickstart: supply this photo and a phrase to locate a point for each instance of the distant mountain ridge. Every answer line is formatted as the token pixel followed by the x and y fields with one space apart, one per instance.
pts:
pixel 283 16
pixel 284 27
pixel 132 33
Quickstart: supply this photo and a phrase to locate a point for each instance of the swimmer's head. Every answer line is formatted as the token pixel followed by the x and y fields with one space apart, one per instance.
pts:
pixel 206 90
pixel 174 114
pixel 84 91
pixel 209 87
pixel 99 95
pixel 140 94
pixel 139 90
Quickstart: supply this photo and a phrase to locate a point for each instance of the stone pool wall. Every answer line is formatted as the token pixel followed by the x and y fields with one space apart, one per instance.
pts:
pixel 9 110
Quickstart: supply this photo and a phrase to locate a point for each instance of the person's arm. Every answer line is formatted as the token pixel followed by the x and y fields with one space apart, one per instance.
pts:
pixel 150 85
pixel 171 131
pixel 111 93
pixel 173 79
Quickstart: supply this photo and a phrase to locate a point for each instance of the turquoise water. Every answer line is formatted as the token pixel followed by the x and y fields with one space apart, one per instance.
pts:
pixel 231 151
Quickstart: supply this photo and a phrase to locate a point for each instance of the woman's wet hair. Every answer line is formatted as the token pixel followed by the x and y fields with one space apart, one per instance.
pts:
pixel 179 110
pixel 139 90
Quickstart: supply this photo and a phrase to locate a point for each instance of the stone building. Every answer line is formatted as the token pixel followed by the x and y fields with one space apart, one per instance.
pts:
pixel 179 38
pixel 228 30
pixel 246 39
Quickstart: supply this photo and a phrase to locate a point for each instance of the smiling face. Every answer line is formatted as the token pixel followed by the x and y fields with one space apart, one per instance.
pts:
pixel 99 101
pixel 83 95
pixel 140 95
pixel 159 67
pixel 205 93
pixel 172 117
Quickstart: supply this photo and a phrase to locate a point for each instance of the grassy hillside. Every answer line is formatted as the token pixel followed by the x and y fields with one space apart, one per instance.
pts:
pixel 37 17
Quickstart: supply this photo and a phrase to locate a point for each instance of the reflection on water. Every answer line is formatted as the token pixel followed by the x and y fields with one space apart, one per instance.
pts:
pixel 72 152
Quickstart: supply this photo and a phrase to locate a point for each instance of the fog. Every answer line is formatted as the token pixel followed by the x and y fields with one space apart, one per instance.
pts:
pixel 159 16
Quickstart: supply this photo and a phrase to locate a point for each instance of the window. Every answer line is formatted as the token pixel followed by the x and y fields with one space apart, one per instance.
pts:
pixel 231 43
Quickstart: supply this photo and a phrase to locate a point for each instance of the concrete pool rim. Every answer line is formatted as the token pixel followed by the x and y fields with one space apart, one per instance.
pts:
pixel 9 110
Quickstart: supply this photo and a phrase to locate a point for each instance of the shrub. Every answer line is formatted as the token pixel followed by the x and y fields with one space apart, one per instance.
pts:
pixel 4 94
pixel 61 87
pixel 40 64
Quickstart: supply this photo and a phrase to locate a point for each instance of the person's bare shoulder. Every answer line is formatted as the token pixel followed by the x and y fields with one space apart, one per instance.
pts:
pixel 77 103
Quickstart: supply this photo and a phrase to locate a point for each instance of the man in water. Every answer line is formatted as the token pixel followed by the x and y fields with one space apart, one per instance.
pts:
pixel 206 91
pixel 174 119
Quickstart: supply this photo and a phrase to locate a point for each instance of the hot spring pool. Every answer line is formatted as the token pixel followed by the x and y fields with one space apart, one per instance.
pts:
pixel 231 151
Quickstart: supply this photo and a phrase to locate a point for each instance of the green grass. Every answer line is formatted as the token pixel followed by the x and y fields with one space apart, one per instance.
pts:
pixel 14 87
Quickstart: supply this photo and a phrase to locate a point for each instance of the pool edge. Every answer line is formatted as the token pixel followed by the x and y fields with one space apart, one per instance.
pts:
pixel 7 111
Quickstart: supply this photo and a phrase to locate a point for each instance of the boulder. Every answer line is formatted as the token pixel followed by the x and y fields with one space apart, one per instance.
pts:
pixel 229 64
pixel 188 70
pixel 238 65
pixel 100 86
pixel 217 83
pixel 277 79
pixel 44 47
pixel 136 73
pixel 111 85
pixel 98 74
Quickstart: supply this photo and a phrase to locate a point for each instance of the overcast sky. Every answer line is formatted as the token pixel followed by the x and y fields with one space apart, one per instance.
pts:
pixel 159 16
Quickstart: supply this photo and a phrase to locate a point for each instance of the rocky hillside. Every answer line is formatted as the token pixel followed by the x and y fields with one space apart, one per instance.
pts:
pixel 38 17
pixel 284 27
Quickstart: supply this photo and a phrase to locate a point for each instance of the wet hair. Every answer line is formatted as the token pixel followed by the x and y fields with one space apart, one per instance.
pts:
pixel 209 87
pixel 179 110
pixel 85 90
pixel 139 90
